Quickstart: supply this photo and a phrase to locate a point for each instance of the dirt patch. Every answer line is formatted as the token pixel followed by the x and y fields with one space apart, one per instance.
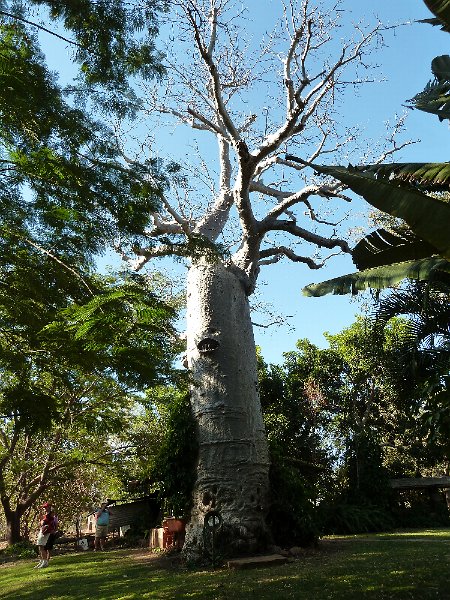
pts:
pixel 173 561
pixel 8 563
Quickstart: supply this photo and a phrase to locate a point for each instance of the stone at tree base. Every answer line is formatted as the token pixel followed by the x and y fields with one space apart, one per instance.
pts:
pixel 257 561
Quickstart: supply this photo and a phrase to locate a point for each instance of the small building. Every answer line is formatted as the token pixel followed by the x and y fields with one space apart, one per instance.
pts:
pixel 434 491
pixel 142 514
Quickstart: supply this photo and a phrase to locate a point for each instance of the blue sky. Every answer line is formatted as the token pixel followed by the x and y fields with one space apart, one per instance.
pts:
pixel 405 65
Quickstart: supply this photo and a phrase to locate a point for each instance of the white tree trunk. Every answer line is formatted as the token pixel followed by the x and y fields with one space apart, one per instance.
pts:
pixel 232 471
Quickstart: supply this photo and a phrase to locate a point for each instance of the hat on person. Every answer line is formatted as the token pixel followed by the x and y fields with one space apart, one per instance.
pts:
pixel 46 505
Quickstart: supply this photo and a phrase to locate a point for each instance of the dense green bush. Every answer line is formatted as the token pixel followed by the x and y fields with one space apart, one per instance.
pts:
pixel 292 517
pixel 351 519
pixel 420 508
pixel 174 469
pixel 24 549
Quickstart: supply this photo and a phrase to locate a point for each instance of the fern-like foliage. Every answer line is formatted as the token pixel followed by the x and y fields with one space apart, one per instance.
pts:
pixel 124 328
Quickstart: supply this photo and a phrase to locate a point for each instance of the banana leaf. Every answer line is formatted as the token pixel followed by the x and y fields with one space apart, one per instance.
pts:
pixel 381 277
pixel 433 21
pixel 383 247
pixel 440 67
pixel 428 217
pixel 440 8
pixel 423 176
pixel 435 98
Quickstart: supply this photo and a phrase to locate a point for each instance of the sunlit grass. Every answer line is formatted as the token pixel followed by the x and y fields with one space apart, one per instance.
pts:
pixel 402 565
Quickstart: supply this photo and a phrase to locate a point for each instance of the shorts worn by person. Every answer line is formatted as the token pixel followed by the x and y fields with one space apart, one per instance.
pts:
pixel 46 536
pixel 102 516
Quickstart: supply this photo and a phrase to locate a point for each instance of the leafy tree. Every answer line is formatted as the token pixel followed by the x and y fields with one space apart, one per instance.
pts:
pixel 70 341
pixel 382 436
pixel 426 305
pixel 67 381
pixel 342 421
pixel 63 182
pixel 375 393
pixel 297 400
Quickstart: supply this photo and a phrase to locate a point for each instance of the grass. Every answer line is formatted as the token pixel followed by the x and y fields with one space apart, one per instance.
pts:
pixel 402 565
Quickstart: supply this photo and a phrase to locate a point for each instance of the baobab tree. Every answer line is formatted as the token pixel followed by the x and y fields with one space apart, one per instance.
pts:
pixel 255 213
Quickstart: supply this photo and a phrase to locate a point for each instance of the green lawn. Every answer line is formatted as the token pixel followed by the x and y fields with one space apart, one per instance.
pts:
pixel 403 565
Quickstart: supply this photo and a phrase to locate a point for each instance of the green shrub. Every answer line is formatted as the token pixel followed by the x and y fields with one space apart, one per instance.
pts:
pixel 174 468
pixel 292 516
pixel 24 549
pixel 418 518
pixel 346 518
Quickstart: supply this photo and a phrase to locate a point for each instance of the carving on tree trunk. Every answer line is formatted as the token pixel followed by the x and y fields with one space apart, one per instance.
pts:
pixel 207 345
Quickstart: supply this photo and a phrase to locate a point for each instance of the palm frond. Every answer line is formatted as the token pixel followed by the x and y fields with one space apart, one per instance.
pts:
pixel 427 306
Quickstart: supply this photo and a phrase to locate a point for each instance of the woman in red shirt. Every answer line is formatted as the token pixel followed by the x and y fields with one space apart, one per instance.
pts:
pixel 46 538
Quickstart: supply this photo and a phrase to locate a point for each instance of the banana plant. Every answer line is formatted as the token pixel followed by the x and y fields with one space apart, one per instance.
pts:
pixel 384 258
pixel 440 8
pixel 435 98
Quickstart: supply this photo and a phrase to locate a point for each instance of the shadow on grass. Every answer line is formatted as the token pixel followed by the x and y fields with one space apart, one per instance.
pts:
pixel 352 570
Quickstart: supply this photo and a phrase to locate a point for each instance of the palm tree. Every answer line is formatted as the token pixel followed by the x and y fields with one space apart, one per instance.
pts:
pixel 427 306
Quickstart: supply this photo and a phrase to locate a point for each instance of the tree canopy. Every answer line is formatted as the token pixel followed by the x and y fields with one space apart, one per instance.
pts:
pixel 75 347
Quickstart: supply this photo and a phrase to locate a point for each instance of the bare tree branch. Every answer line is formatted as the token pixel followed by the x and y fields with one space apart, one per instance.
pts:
pixel 207 123
pixel 209 93
pixel 308 236
pixel 206 54
pixel 274 255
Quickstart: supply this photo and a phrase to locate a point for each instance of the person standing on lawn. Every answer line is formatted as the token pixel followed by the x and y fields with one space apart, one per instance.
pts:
pixel 52 537
pixel 46 537
pixel 102 516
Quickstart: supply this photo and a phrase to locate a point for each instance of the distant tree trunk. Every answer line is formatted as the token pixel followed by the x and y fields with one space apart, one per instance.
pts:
pixel 12 527
pixel 232 470
pixel 13 513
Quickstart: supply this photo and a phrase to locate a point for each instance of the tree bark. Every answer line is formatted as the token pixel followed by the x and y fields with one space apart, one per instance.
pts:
pixel 232 470
pixel 13 535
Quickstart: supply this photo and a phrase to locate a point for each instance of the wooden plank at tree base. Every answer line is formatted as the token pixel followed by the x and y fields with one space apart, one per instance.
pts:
pixel 420 482
pixel 257 561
